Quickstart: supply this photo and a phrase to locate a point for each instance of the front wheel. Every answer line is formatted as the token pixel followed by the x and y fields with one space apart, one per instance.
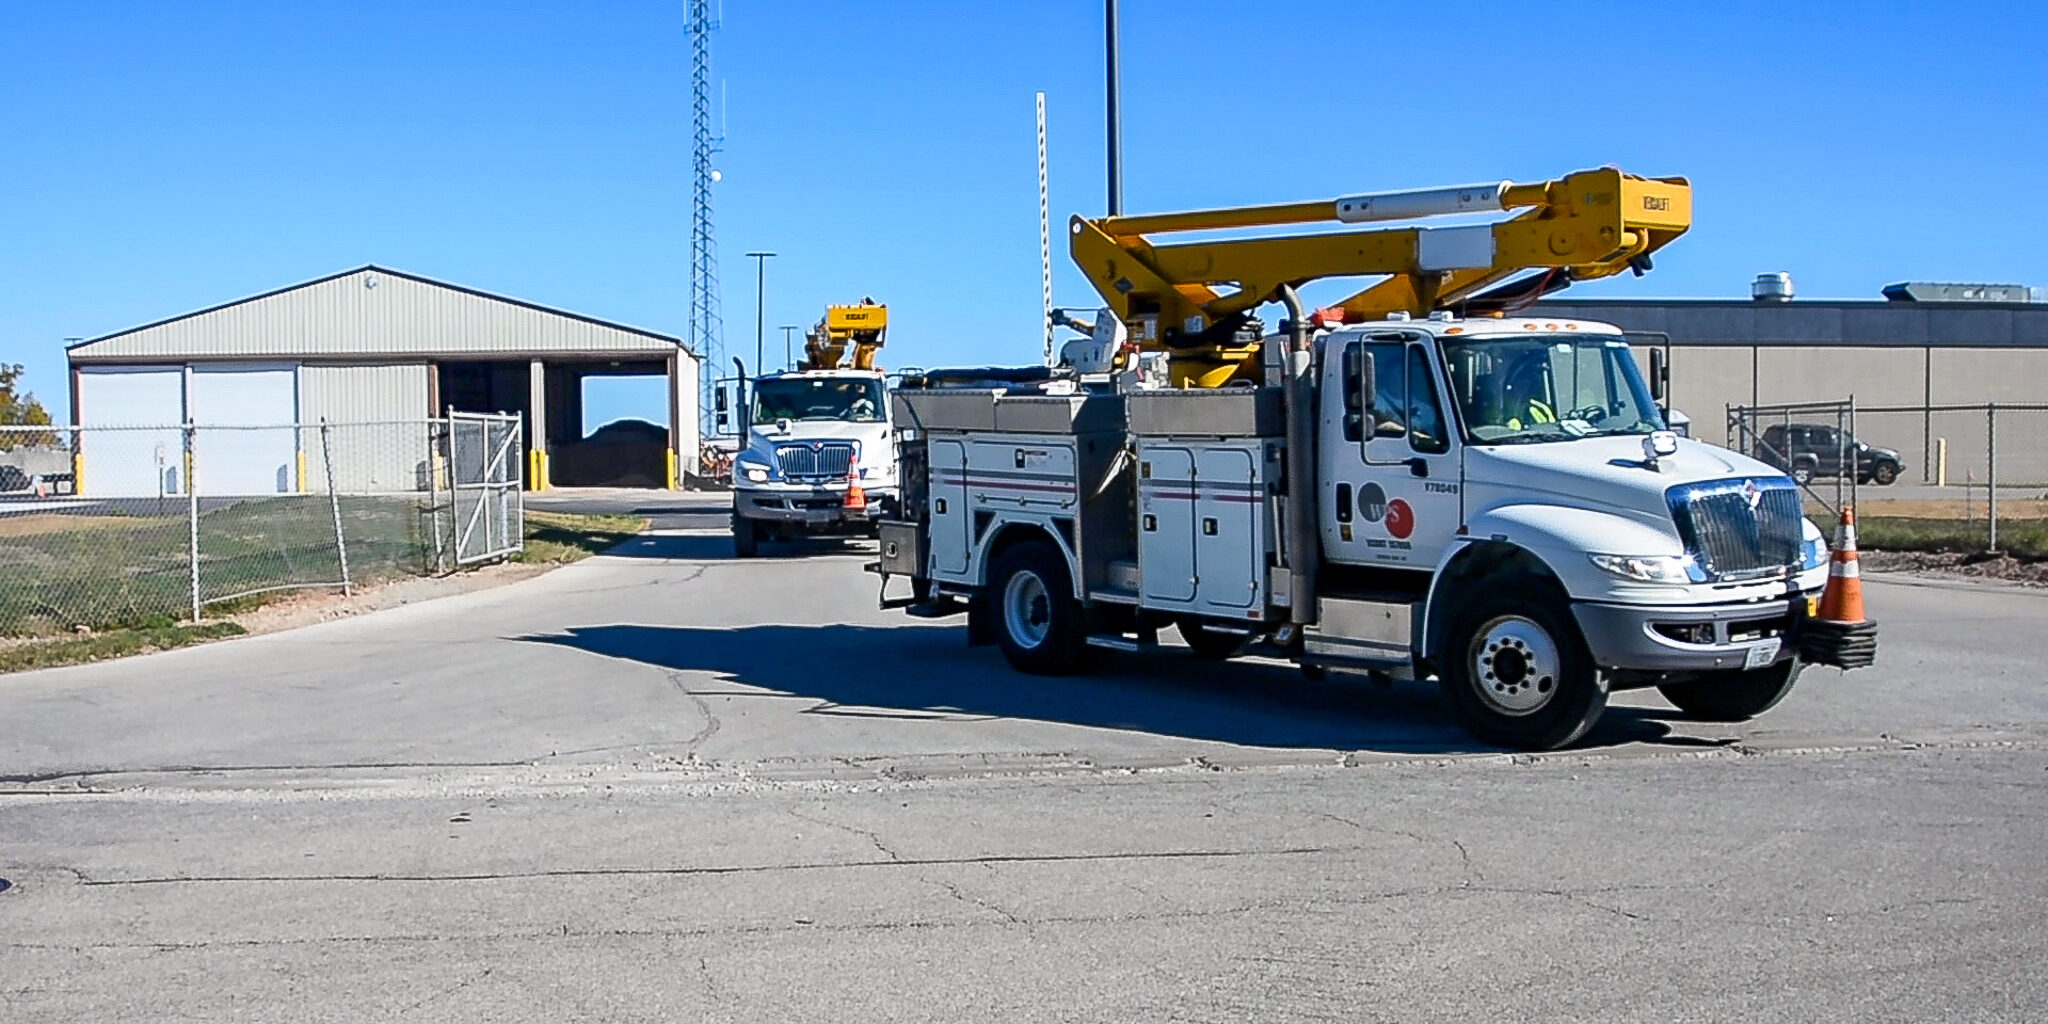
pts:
pixel 1038 623
pixel 1885 474
pixel 1517 670
pixel 1733 696
pixel 746 537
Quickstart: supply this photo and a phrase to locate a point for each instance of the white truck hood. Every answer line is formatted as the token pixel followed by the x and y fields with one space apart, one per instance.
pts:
pixel 1598 473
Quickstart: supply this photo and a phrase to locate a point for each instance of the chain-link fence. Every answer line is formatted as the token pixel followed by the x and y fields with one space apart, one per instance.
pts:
pixel 1973 471
pixel 113 526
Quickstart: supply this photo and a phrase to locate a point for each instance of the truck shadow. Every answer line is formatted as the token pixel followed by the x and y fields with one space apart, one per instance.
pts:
pixel 927 673
pixel 708 548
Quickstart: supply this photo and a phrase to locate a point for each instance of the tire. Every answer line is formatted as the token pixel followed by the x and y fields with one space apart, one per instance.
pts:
pixel 1037 623
pixel 1884 474
pixel 746 537
pixel 1518 672
pixel 1209 644
pixel 1803 472
pixel 1733 696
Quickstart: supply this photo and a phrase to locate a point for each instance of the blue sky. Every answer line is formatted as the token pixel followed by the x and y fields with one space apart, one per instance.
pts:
pixel 167 156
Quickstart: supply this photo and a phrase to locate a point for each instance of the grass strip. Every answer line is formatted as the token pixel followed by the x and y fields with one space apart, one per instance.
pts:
pixel 117 643
pixel 2022 538
pixel 558 538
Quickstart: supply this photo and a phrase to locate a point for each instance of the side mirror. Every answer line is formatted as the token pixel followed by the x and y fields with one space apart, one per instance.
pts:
pixel 1660 375
pixel 721 401
pixel 1368 388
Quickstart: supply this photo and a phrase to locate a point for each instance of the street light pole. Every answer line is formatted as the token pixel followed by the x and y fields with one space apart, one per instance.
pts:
pixel 1115 126
pixel 786 359
pixel 760 283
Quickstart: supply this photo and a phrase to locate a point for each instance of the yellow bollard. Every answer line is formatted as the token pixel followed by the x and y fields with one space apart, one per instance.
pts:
pixel 1941 462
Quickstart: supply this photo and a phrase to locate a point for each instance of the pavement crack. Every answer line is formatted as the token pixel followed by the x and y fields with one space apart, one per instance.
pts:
pixel 991 906
pixel 1473 876
pixel 895 861
pixel 711 722
pixel 445 993
pixel 868 834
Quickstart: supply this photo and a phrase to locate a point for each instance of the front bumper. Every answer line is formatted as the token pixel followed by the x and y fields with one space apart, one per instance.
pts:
pixel 814 507
pixel 1700 638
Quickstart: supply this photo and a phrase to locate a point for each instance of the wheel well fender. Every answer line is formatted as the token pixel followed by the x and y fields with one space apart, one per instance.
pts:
pixel 1009 535
pixel 1465 567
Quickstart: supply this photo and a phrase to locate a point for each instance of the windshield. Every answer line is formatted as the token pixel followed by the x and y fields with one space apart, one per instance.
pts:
pixel 1515 390
pixel 818 398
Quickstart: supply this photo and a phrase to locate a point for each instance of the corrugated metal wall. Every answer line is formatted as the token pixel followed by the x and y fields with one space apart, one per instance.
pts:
pixel 379 442
pixel 372 313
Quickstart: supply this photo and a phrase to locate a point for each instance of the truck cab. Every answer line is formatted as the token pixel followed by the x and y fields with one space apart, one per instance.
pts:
pixel 1506 470
pixel 818 459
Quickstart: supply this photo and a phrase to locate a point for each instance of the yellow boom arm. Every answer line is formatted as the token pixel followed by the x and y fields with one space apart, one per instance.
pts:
pixel 860 327
pixel 1185 298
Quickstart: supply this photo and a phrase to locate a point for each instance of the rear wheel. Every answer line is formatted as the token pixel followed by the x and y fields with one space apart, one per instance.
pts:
pixel 1802 472
pixel 746 537
pixel 1207 643
pixel 1517 670
pixel 1038 622
pixel 1733 696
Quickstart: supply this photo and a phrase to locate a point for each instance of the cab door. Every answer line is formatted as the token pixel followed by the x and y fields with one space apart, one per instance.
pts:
pixel 1390 481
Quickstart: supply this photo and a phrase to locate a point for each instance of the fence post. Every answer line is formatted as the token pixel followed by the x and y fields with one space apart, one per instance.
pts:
pixel 334 503
pixel 1991 470
pixel 192 512
pixel 434 491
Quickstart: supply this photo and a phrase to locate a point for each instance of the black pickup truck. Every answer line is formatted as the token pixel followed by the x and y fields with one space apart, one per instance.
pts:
pixel 1808 450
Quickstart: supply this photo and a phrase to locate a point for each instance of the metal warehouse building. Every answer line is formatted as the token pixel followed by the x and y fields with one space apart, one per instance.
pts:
pixel 372 346
pixel 1920 351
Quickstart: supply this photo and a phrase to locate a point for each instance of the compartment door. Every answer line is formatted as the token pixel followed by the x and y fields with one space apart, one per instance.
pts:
pixel 1227 507
pixel 1166 524
pixel 949 515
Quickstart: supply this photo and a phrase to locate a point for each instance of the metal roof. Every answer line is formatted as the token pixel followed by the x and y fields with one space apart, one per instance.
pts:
pixel 374 312
pixel 1854 322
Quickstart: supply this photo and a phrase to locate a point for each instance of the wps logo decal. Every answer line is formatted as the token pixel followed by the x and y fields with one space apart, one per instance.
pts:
pixel 1400 519
pixel 1397 514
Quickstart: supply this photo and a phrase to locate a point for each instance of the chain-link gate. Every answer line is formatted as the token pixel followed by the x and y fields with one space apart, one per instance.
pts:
pixel 486 455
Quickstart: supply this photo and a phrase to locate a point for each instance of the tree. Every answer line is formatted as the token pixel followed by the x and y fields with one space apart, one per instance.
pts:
pixel 20 409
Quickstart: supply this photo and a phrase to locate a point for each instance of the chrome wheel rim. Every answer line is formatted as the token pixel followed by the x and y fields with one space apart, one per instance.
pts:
pixel 1027 609
pixel 1515 666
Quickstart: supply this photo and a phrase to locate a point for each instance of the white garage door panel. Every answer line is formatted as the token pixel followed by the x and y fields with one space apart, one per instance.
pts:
pixel 132 463
pixel 245 461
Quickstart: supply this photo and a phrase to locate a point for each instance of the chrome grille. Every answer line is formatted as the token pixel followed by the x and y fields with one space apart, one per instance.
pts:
pixel 1739 529
pixel 820 460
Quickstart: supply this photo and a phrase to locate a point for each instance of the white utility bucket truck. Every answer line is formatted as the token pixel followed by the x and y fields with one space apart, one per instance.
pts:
pixel 1414 483
pixel 819 458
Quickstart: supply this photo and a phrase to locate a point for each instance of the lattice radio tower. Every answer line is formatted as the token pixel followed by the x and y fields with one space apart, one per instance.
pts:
pixel 707 327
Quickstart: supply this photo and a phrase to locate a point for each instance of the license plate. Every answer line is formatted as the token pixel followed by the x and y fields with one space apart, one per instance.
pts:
pixel 1762 654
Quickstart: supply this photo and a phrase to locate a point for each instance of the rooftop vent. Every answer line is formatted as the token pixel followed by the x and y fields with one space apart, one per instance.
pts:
pixel 1929 291
pixel 1772 287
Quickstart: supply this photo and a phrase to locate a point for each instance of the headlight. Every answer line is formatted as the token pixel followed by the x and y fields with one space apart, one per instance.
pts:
pixel 755 474
pixel 1814 553
pixel 1647 568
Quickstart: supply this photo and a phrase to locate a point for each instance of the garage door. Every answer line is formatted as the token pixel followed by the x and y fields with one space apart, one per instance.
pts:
pixel 246 444
pixel 132 462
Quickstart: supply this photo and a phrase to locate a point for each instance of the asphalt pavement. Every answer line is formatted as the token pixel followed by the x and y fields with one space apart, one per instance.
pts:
pixel 665 784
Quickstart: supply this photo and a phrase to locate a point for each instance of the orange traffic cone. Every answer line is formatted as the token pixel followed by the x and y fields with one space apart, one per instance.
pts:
pixel 1842 601
pixel 1840 634
pixel 856 498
